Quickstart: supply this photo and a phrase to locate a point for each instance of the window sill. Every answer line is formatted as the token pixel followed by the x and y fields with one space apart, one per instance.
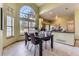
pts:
pixel 10 37
pixel 21 35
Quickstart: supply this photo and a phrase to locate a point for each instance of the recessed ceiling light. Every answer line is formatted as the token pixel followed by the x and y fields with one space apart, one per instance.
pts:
pixel 66 8
pixel 56 17
pixel 50 13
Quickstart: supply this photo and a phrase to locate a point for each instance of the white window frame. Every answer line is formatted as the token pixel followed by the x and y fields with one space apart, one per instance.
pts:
pixel 11 27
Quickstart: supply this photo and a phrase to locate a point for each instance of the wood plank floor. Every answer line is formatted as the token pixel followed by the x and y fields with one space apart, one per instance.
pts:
pixel 19 49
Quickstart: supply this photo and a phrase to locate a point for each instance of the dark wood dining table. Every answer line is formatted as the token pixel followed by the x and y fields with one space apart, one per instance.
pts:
pixel 41 44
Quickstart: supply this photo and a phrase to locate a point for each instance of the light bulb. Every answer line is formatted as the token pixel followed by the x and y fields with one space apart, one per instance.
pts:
pixel 56 17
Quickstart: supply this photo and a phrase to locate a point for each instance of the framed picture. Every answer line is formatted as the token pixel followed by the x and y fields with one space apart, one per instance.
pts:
pixel 1 19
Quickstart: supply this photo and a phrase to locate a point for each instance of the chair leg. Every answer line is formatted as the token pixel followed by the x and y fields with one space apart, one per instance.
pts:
pixel 31 48
pixel 49 43
pixel 46 45
pixel 35 51
pixel 27 45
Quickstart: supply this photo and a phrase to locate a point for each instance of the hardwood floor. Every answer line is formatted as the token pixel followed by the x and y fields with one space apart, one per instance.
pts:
pixel 19 49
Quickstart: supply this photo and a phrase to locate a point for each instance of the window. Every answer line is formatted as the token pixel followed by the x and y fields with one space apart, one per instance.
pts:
pixel 10 26
pixel 27 19
pixel 32 24
pixel 10 22
pixel 23 25
pixel 26 12
pixel 31 27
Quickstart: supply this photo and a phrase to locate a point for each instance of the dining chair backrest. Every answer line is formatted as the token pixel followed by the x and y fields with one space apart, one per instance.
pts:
pixel 36 33
pixel 26 36
pixel 41 34
pixel 32 38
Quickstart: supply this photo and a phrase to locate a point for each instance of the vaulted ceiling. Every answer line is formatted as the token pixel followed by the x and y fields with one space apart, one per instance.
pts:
pixel 65 10
pixel 39 4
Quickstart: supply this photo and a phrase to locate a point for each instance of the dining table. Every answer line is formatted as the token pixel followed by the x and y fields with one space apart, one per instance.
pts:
pixel 41 44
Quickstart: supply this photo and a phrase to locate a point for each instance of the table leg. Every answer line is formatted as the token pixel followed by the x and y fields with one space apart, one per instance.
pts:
pixel 52 41
pixel 40 48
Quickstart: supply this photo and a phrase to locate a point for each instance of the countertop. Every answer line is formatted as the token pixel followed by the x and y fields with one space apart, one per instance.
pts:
pixel 62 32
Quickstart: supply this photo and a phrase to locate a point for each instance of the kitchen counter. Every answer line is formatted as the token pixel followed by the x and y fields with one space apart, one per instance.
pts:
pixel 64 37
pixel 63 32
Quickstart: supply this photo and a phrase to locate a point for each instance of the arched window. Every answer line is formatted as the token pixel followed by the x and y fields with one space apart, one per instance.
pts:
pixel 27 12
pixel 10 22
pixel 27 19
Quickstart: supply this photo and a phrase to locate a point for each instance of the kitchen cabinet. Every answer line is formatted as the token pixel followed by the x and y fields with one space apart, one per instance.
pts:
pixel 64 37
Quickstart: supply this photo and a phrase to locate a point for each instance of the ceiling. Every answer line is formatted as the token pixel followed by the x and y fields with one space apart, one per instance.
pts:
pixel 1 4
pixel 66 10
pixel 39 4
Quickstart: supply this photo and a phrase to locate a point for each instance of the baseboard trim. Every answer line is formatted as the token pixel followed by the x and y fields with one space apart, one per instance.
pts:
pixel 76 39
pixel 65 44
pixel 12 43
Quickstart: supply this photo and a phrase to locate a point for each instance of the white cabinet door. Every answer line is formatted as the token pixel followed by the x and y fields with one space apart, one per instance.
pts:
pixel 66 38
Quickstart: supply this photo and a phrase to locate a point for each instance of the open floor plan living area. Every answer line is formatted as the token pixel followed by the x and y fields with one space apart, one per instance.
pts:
pixel 39 29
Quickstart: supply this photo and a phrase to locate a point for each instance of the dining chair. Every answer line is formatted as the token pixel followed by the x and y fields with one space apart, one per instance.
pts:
pixel 34 41
pixel 46 39
pixel 27 39
pixel 36 33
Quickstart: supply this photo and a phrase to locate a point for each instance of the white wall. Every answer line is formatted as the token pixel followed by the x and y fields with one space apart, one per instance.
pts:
pixel 1 4
pixel 77 22
pixel 0 42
